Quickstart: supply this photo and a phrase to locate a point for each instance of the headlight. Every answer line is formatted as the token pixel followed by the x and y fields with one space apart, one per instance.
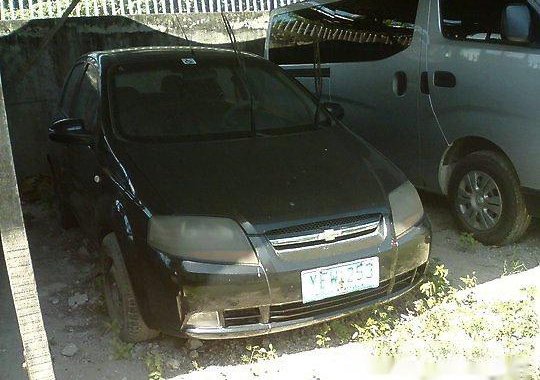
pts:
pixel 208 239
pixel 406 208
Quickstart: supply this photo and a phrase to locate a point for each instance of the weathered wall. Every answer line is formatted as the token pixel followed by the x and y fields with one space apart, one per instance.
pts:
pixel 31 99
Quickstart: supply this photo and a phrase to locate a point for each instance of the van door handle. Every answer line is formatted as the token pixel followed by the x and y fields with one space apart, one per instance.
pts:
pixel 424 83
pixel 399 83
pixel 444 79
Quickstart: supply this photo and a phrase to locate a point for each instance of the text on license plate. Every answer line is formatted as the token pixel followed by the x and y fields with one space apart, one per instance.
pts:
pixel 335 280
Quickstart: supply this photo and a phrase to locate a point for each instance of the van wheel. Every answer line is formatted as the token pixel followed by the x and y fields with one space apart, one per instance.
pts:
pixel 119 297
pixel 486 199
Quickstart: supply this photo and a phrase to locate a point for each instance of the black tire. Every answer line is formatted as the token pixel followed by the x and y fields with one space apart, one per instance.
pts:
pixel 512 220
pixel 67 218
pixel 119 297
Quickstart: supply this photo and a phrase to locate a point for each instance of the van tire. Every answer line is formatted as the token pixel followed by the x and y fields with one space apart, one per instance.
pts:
pixel 514 218
pixel 119 297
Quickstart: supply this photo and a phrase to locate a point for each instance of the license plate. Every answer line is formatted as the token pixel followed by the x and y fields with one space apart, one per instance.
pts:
pixel 335 280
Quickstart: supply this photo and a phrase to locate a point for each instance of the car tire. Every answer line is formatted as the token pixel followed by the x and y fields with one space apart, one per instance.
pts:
pixel 486 198
pixel 67 218
pixel 119 297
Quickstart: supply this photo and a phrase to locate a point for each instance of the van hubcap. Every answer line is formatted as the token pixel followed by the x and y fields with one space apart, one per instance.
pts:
pixel 479 200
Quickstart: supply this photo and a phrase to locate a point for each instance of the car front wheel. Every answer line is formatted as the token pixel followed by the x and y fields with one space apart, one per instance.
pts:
pixel 119 297
pixel 486 199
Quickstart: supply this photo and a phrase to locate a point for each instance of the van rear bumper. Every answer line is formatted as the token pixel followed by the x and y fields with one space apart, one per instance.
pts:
pixel 532 199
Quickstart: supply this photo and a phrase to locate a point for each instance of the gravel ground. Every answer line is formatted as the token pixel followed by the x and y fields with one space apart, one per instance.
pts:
pixel 83 346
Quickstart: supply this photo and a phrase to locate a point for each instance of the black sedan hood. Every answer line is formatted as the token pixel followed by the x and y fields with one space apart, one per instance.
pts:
pixel 264 182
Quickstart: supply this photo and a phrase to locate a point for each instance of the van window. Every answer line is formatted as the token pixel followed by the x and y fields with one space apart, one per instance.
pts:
pixel 478 20
pixel 346 31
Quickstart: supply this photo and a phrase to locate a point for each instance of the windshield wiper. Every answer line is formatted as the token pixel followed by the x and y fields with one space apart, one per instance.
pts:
pixel 242 65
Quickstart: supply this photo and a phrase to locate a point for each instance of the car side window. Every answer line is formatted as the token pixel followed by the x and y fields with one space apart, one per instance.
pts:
pixel 483 21
pixel 70 88
pixel 85 105
pixel 347 31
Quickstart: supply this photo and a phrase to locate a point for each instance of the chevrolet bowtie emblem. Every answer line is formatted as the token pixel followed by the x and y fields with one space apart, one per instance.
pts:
pixel 330 235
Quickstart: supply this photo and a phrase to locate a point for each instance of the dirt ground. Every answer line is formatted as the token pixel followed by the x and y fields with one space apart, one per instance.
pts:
pixel 74 314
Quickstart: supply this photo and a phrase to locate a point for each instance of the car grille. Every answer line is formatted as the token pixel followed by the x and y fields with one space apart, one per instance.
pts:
pixel 298 310
pixel 241 317
pixel 324 232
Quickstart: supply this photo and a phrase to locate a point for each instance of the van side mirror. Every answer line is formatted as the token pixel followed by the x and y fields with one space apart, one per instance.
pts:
pixel 516 24
pixel 335 109
pixel 70 131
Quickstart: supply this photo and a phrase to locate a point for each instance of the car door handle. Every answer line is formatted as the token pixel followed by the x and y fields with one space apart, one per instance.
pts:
pixel 444 79
pixel 399 83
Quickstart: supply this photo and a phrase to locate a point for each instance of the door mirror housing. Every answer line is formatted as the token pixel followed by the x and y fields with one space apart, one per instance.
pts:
pixel 335 109
pixel 516 24
pixel 70 131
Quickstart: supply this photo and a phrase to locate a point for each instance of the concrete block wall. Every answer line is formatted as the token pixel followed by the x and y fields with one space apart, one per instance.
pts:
pixel 32 98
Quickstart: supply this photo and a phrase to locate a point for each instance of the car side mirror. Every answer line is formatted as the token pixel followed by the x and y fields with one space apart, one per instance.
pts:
pixel 335 109
pixel 70 131
pixel 516 24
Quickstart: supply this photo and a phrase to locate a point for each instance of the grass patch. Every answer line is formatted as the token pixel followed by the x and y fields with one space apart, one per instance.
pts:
pixel 154 365
pixel 258 353
pixel 442 323
pixel 120 349
pixel 513 267
pixel 467 242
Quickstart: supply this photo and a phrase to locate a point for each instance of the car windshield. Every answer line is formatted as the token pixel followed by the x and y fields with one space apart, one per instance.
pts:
pixel 191 99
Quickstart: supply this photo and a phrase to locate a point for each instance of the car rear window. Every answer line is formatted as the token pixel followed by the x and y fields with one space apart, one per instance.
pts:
pixel 173 100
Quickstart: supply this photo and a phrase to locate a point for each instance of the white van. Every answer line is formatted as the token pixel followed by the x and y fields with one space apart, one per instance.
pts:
pixel 447 89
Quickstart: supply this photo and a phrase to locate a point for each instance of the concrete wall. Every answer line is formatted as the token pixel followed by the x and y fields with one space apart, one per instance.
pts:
pixel 32 97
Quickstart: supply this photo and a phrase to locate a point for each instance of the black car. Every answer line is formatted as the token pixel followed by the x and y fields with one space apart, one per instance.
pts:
pixel 226 201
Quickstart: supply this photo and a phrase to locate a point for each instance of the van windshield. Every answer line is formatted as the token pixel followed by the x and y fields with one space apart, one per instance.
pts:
pixel 188 99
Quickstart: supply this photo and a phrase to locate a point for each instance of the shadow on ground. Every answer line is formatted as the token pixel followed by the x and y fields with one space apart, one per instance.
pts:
pixel 463 256
pixel 64 267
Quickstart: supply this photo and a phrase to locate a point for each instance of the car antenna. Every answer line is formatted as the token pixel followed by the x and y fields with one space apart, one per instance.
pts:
pixel 242 65
pixel 187 39
pixel 317 78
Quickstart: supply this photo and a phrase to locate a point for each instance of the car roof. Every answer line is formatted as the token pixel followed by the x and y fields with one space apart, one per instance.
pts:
pixel 151 53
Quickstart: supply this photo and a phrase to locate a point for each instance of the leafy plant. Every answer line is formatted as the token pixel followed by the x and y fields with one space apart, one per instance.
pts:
pixel 379 325
pixel 258 353
pixel 468 242
pixel 469 281
pixel 154 365
pixel 322 338
pixel 445 323
pixel 121 349
pixel 515 266
pixel 435 290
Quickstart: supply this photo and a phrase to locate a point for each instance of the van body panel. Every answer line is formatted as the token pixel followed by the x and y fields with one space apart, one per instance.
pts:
pixel 361 86
pixel 492 96
pixel 495 97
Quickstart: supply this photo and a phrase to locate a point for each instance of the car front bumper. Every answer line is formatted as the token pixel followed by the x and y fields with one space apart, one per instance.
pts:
pixel 245 331
pixel 258 300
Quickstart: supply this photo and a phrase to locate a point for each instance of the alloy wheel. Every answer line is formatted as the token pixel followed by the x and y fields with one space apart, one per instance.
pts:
pixel 479 200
